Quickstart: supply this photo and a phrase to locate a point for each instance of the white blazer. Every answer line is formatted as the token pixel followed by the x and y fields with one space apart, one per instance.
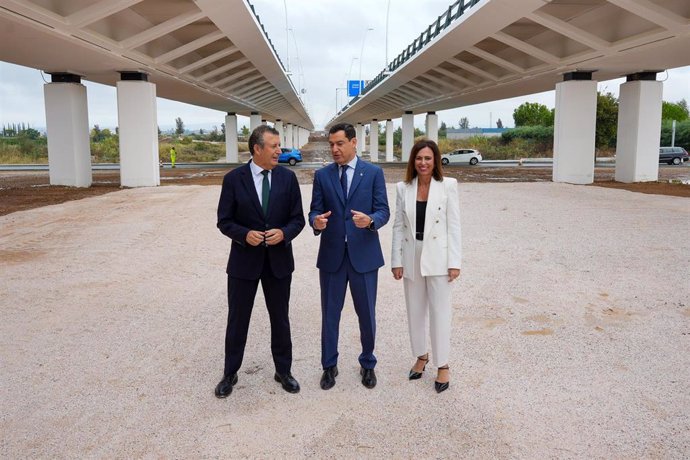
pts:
pixel 442 237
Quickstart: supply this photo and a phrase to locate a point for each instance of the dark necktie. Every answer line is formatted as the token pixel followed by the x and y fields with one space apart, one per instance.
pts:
pixel 265 189
pixel 343 180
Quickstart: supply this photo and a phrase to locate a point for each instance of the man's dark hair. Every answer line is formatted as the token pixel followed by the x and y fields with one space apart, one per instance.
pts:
pixel 350 132
pixel 257 136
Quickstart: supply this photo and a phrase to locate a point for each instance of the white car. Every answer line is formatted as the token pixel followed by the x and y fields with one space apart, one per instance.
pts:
pixel 463 156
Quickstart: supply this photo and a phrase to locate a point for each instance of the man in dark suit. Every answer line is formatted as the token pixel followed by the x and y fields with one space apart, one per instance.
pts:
pixel 348 206
pixel 260 209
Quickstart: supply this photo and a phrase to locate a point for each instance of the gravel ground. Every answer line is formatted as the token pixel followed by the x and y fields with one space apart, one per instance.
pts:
pixel 571 336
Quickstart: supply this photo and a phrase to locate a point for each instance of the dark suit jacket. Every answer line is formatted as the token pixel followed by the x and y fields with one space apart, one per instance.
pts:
pixel 239 211
pixel 368 195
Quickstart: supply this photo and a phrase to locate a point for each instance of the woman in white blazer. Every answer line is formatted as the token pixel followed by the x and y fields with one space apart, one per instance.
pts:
pixel 426 255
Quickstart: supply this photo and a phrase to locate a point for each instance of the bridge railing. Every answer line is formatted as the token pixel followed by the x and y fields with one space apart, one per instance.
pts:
pixel 453 13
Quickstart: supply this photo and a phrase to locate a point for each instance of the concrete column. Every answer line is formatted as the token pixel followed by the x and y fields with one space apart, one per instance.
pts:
pixel 374 140
pixel 389 140
pixel 67 123
pixel 431 124
pixel 137 120
pixel 363 137
pixel 231 150
pixel 360 138
pixel 639 124
pixel 254 121
pixel 574 129
pixel 407 134
pixel 288 136
pixel 278 125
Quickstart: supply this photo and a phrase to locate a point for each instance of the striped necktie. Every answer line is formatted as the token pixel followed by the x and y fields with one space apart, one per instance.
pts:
pixel 343 180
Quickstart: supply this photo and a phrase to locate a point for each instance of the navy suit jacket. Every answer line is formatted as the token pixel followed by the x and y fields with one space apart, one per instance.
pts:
pixel 239 211
pixel 368 195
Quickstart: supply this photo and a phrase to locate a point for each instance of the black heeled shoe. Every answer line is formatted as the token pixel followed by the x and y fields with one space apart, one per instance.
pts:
pixel 414 375
pixel 441 386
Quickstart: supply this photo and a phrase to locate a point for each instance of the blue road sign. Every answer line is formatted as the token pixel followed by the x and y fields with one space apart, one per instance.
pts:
pixel 353 87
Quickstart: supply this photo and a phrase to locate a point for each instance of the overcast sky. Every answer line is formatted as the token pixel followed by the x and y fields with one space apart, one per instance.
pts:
pixel 325 49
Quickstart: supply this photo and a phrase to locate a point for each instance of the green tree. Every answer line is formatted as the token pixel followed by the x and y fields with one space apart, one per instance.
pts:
pixel 499 124
pixel 442 131
pixel 607 120
pixel 533 114
pixel 96 134
pixel 464 123
pixel 179 126
pixel 30 133
pixel 245 131
pixel 674 111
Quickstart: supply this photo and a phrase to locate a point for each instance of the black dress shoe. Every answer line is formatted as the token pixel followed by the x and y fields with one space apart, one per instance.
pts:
pixel 288 382
pixel 224 388
pixel 328 377
pixel 368 377
pixel 440 387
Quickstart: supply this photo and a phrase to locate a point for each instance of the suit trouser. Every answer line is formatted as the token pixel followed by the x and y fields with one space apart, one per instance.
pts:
pixel 241 295
pixel 363 290
pixel 428 298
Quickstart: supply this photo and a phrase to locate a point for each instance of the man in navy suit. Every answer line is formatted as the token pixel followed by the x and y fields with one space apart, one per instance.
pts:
pixel 348 206
pixel 260 209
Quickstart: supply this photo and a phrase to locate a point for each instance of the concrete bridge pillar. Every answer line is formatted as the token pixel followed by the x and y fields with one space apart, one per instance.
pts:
pixel 374 140
pixel 639 124
pixel 278 125
pixel 288 136
pixel 431 126
pixel 67 124
pixel 359 133
pixel 231 150
pixel 574 129
pixel 362 135
pixel 254 121
pixel 138 128
pixel 407 134
pixel 389 140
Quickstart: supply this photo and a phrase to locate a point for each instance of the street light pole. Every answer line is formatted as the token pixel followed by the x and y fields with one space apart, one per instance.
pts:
pixel 360 59
pixel 388 10
pixel 349 72
pixel 287 38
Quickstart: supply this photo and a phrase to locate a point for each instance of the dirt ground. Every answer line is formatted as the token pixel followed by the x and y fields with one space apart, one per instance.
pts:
pixel 31 189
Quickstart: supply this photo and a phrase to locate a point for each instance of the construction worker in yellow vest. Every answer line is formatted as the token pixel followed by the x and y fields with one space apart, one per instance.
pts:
pixel 173 156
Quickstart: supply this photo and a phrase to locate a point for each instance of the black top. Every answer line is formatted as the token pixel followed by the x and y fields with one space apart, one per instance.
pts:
pixel 421 213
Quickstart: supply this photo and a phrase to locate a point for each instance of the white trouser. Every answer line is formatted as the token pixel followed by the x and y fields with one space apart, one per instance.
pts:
pixel 428 297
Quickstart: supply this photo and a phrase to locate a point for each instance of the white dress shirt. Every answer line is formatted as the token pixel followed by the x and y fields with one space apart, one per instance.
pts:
pixel 259 179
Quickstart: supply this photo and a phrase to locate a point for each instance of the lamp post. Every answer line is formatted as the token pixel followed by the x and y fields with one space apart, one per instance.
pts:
pixel 336 99
pixel 360 58
pixel 349 72
pixel 287 38
pixel 388 10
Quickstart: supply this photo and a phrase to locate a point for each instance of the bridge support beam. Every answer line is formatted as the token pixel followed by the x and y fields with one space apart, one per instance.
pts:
pixel 138 128
pixel 67 123
pixel 431 126
pixel 574 129
pixel 231 149
pixel 374 140
pixel 639 124
pixel 254 121
pixel 407 134
pixel 389 140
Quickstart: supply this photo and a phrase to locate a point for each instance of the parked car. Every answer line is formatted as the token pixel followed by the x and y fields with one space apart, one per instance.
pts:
pixel 290 156
pixel 672 155
pixel 463 156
